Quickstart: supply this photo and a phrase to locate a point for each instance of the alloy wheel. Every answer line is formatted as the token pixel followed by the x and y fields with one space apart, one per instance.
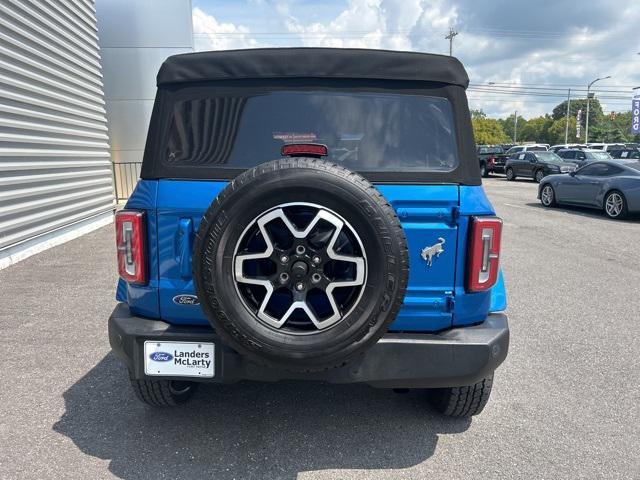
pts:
pixel 300 268
pixel 614 204
pixel 547 195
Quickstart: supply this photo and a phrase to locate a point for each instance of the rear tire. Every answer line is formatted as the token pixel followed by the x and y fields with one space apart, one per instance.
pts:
pixel 510 175
pixel 465 401
pixel 615 205
pixel 163 393
pixel 484 172
pixel 539 175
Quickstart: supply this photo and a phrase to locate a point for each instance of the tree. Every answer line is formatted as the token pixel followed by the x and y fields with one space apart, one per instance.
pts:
pixel 535 130
pixel 614 128
pixel 479 113
pixel 555 133
pixel 488 131
pixel 508 125
pixel 595 111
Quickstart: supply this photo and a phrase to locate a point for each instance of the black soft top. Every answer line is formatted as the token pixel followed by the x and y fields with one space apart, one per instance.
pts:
pixel 312 63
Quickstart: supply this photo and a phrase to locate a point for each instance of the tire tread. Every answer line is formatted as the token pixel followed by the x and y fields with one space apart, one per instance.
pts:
pixel 157 393
pixel 463 401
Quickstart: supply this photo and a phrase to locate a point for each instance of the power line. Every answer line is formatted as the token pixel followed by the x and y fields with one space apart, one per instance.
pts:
pixel 494 32
pixel 536 86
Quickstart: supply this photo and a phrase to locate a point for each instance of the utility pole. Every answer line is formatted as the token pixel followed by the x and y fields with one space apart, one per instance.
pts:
pixel 452 33
pixel 515 128
pixel 566 128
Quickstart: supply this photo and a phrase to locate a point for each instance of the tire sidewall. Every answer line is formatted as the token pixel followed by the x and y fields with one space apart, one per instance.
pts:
pixel 213 264
pixel 510 176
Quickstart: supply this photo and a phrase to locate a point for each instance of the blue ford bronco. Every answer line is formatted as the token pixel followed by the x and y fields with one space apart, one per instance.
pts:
pixel 311 214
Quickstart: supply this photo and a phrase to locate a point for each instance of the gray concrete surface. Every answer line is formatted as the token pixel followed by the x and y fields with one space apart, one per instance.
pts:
pixel 565 403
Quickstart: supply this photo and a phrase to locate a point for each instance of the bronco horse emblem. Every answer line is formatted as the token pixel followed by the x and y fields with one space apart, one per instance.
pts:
pixel 428 253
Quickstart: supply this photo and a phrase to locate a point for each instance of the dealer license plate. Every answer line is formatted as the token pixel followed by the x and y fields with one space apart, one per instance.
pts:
pixel 179 359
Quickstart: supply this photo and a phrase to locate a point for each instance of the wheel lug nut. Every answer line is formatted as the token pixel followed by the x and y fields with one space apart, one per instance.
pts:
pixel 300 249
pixel 299 286
pixel 315 278
pixel 284 277
pixel 316 259
pixel 284 259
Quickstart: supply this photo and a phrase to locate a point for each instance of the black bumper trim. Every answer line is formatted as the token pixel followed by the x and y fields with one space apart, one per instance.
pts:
pixel 455 357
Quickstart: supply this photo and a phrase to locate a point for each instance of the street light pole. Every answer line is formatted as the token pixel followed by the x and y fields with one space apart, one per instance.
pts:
pixel 586 130
pixel 515 128
pixel 566 127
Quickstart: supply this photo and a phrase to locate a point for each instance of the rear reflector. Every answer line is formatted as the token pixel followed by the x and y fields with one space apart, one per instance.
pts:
pixel 131 246
pixel 304 149
pixel 484 253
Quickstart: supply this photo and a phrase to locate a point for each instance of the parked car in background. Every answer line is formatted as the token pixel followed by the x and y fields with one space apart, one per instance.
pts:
pixel 613 186
pixel 536 165
pixel 605 147
pixel 625 154
pixel 582 157
pixel 507 146
pixel 563 146
pixel 535 147
pixel 492 159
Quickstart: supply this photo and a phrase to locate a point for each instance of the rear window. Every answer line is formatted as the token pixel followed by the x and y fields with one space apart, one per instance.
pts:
pixel 491 150
pixel 363 131
pixel 548 157
pixel 536 149
pixel 598 155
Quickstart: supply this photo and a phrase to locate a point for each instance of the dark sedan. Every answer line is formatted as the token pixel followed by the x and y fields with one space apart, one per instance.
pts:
pixel 536 165
pixel 612 186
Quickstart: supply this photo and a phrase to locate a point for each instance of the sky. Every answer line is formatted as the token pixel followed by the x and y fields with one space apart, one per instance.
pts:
pixel 520 55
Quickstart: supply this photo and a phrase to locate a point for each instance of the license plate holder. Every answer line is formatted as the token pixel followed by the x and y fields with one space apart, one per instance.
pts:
pixel 179 359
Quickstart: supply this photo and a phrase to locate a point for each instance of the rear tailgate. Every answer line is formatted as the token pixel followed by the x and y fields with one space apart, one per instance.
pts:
pixel 428 214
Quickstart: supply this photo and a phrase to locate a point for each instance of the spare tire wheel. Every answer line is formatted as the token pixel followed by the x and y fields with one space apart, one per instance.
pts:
pixel 300 264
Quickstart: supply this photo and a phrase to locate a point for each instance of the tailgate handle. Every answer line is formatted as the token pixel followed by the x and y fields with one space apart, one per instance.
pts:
pixel 184 246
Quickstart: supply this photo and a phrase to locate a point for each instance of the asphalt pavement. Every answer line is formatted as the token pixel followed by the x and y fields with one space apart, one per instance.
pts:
pixel 566 403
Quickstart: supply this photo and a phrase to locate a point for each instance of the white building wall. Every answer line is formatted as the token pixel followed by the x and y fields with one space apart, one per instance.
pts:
pixel 55 172
pixel 135 38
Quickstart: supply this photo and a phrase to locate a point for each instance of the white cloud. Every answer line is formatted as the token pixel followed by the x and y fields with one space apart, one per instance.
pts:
pixel 209 34
pixel 504 42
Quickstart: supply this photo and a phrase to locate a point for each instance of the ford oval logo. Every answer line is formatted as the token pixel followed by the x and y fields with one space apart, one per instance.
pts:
pixel 161 357
pixel 186 300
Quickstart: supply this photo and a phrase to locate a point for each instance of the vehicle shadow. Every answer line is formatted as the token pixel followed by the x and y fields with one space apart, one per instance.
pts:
pixel 249 430
pixel 586 212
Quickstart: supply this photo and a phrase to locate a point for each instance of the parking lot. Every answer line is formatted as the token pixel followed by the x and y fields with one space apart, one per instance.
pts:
pixel 565 403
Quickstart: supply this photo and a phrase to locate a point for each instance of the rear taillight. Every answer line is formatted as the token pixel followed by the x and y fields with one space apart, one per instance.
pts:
pixel 131 245
pixel 484 253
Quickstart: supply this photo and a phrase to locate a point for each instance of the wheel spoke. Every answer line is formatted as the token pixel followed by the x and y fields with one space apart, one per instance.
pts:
pixel 332 252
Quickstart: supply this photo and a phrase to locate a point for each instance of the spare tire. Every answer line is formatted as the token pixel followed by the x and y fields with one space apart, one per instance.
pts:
pixel 300 264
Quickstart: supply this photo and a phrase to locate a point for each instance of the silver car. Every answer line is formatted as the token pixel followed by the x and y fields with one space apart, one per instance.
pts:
pixel 613 186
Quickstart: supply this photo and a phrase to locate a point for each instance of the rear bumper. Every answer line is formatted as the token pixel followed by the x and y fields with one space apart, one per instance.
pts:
pixel 460 356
